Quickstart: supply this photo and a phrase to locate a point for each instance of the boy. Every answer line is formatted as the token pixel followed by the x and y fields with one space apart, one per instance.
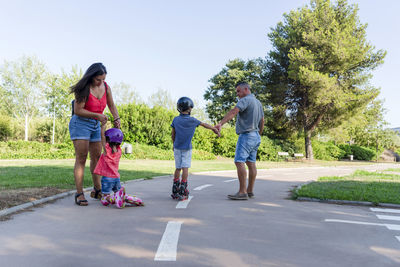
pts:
pixel 183 127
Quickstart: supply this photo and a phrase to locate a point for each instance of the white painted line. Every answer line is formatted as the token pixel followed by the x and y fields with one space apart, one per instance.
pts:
pixel 395 227
pixel 398 238
pixel 184 203
pixel 169 242
pixel 385 210
pixel 232 180
pixel 202 187
pixel 354 222
pixel 388 217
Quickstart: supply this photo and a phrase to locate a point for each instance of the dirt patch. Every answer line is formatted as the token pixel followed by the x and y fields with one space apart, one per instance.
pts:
pixel 14 197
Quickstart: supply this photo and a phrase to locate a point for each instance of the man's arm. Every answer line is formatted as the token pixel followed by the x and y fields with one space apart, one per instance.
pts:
pixel 261 126
pixel 230 115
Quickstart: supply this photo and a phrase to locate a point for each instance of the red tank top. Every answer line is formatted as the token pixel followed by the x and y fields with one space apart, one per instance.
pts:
pixel 93 104
pixel 108 164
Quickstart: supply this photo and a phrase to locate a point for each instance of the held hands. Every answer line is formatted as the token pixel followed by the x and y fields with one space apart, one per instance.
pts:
pixel 117 123
pixel 216 131
pixel 218 127
pixel 102 118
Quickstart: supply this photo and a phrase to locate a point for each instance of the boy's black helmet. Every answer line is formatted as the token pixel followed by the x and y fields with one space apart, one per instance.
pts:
pixel 184 103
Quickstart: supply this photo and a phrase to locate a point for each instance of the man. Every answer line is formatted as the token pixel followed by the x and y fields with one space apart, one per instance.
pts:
pixel 249 126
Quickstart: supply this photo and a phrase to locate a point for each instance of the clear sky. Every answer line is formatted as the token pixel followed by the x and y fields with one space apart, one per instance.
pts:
pixel 173 45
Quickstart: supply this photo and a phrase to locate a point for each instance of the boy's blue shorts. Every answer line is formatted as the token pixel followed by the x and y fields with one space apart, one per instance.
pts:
pixel 183 158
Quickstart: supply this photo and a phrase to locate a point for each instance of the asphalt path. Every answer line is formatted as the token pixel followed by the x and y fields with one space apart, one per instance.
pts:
pixel 208 230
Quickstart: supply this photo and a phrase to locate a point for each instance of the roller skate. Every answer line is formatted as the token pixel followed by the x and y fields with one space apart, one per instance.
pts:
pixel 120 198
pixel 183 192
pixel 175 189
pixel 133 200
pixel 107 200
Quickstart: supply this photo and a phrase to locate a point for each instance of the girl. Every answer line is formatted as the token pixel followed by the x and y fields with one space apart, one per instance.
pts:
pixel 107 167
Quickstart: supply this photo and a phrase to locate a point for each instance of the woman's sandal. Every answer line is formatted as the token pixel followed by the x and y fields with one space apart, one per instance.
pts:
pixel 96 193
pixel 80 202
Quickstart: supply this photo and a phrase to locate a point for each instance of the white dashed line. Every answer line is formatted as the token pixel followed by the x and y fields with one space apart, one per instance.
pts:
pixel 398 238
pixel 184 203
pixel 388 217
pixel 231 180
pixel 169 242
pixel 202 187
pixel 395 227
pixel 385 210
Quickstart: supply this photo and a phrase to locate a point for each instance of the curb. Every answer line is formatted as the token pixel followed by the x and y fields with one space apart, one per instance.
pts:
pixel 349 202
pixel 59 196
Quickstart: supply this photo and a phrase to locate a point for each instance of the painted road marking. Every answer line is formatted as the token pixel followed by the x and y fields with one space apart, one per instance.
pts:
pixel 202 187
pixel 385 210
pixel 388 217
pixel 398 238
pixel 169 242
pixel 395 227
pixel 184 203
pixel 231 180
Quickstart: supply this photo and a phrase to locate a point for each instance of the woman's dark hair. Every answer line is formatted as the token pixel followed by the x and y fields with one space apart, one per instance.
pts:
pixel 82 88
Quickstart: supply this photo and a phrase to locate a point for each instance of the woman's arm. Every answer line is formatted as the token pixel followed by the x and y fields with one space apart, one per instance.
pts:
pixel 80 111
pixel 113 108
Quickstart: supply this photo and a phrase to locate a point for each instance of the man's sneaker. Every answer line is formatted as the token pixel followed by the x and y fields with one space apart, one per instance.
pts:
pixel 120 198
pixel 238 196
pixel 250 195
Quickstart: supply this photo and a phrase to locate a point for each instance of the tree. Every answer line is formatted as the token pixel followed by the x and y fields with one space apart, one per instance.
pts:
pixel 221 94
pixel 320 65
pixel 162 98
pixel 23 83
pixel 58 95
pixel 124 94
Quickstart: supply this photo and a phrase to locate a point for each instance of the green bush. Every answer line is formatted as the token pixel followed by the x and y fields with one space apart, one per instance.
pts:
pixel 268 150
pixel 226 144
pixel 346 149
pixel 5 128
pixel 204 139
pixel 363 153
pixel 35 150
pixel 145 125
pixel 327 151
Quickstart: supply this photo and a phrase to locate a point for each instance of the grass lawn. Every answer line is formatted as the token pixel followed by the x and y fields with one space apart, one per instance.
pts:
pixel 16 174
pixel 27 180
pixel 376 187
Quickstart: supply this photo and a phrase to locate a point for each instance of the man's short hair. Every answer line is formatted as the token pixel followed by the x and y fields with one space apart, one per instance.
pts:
pixel 242 84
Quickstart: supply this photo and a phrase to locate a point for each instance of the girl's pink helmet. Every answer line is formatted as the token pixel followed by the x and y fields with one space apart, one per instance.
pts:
pixel 114 135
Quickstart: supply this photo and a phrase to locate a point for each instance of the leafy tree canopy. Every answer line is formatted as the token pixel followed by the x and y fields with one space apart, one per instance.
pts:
pixel 320 65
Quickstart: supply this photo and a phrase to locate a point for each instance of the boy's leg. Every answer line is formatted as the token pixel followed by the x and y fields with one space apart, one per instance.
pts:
pixel 185 174
pixel 176 184
pixel 177 174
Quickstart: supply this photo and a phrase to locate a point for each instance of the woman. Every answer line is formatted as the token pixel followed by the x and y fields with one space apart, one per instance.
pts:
pixel 92 95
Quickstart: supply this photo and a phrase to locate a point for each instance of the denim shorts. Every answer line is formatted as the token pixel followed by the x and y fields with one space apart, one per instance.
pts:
pixel 183 158
pixel 84 129
pixel 109 185
pixel 246 147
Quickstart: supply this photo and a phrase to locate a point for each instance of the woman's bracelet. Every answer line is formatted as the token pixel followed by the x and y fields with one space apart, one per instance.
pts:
pixel 116 119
